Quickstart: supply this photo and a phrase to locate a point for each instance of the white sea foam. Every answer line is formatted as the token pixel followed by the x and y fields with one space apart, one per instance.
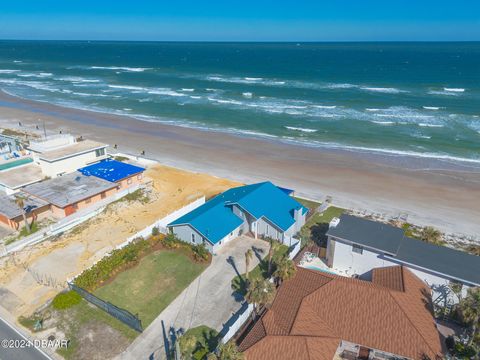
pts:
pixel 340 86
pixel 301 129
pixel 383 90
pixel 383 122
pixel 446 93
pixel 77 79
pixel 431 108
pixel 372 109
pixel 454 89
pixel 164 91
pixel 123 68
pixel 325 106
pixel 128 87
pixel 33 75
pixel 127 109
pixel 195 97
pixel 8 71
pixel 248 95
pixel 187 90
pixel 430 125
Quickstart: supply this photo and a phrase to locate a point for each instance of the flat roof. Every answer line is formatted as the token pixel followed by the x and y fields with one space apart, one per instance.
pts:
pixel 69 189
pixel 111 170
pixel 20 176
pixel 11 210
pixel 373 234
pixel 70 150
pixel 454 263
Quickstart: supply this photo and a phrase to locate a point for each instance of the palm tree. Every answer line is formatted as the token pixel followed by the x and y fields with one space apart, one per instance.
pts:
pixel 229 351
pixel 20 201
pixel 248 258
pixel 274 245
pixel 470 309
pixel 285 270
pixel 431 235
pixel 260 292
pixel 188 344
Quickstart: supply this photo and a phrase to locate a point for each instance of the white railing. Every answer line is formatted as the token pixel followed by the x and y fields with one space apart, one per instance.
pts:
pixel 242 318
pixel 295 250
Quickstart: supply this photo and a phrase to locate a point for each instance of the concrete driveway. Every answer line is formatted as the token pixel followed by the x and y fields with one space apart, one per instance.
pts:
pixel 208 300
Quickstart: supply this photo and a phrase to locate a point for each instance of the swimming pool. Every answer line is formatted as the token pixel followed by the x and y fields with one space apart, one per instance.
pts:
pixel 12 164
pixel 311 267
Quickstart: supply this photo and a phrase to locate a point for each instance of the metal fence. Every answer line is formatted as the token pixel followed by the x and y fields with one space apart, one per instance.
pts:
pixel 123 315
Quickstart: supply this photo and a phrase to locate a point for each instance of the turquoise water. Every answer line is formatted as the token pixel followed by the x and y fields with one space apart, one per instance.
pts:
pixel 15 163
pixel 320 269
pixel 398 98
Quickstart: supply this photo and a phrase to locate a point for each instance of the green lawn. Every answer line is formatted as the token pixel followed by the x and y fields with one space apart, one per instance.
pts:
pixel 149 287
pixel 317 224
pixel 312 205
pixel 261 270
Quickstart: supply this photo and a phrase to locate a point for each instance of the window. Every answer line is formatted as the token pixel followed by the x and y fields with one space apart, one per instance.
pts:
pixel 193 238
pixel 231 234
pixel 75 206
pixel 88 201
pixel 129 181
pixel 99 152
pixel 140 176
pixel 357 249
pixel 103 195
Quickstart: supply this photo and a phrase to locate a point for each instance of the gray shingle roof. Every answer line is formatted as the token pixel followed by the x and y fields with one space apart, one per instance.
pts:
pixel 456 264
pixel 383 237
pixel 10 209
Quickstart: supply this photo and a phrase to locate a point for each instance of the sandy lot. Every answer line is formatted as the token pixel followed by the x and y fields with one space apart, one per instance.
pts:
pixel 36 274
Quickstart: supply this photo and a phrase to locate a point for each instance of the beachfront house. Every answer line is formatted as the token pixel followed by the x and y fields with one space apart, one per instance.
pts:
pixel 261 210
pixel 316 315
pixel 123 174
pixel 70 193
pixel 356 246
pixel 63 154
pixel 11 215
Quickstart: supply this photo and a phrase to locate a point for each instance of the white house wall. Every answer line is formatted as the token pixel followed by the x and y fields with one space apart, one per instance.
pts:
pixel 69 164
pixel 344 259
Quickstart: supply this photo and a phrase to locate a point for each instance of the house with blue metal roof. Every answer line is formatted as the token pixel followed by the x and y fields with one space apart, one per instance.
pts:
pixel 125 175
pixel 262 210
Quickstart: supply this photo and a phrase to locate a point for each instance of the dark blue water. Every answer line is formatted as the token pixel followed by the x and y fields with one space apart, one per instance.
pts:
pixel 416 98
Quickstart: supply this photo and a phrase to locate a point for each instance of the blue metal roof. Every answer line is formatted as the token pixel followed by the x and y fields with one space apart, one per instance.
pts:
pixel 111 170
pixel 215 219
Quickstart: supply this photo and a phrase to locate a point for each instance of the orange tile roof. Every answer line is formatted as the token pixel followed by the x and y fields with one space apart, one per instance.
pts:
pixel 390 277
pixel 314 311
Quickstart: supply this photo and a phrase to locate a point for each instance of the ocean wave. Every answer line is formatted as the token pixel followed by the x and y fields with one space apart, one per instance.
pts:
pixel 187 89
pixel 33 75
pixel 383 122
pixel 244 80
pixel 307 130
pixel 248 95
pixel 454 90
pixel 431 125
pixel 122 68
pixel 128 87
pixel 385 90
pixel 165 91
pixel 372 109
pixel 77 79
pixel 8 71
pixel 431 107
pixel 443 92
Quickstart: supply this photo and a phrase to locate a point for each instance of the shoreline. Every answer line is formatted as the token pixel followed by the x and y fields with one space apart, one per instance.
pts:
pixel 432 192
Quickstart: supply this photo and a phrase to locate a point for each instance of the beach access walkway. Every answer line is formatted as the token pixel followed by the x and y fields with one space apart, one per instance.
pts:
pixel 209 300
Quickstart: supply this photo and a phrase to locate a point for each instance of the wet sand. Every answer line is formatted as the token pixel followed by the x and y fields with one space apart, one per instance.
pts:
pixel 432 192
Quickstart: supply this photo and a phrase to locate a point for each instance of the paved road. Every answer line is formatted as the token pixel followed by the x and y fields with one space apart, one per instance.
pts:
pixel 29 353
pixel 208 300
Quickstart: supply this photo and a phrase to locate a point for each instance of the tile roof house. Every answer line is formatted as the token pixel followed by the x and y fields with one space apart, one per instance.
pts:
pixel 356 246
pixel 317 315
pixel 262 209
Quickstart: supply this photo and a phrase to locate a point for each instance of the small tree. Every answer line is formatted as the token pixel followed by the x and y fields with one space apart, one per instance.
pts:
pixel 274 245
pixel 285 270
pixel 20 201
pixel 229 351
pixel 431 235
pixel 260 292
pixel 470 310
pixel 248 258
pixel 188 344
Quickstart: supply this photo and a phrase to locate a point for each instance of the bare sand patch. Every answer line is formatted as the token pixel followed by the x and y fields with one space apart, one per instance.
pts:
pixel 36 274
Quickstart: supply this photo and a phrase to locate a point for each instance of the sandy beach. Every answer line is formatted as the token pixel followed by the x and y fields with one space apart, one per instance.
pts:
pixel 442 194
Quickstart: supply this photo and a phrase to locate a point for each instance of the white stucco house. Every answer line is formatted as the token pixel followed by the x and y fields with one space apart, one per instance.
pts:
pixel 356 246
pixel 263 210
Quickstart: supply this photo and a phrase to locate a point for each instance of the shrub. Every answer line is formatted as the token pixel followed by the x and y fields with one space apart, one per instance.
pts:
pixel 200 354
pixel 155 231
pixel 200 252
pixel 171 241
pixel 66 300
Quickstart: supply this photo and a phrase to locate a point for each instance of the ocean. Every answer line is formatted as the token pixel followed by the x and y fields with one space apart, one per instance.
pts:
pixel 419 99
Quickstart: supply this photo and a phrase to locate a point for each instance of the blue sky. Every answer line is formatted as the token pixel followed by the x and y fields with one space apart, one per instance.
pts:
pixel 246 20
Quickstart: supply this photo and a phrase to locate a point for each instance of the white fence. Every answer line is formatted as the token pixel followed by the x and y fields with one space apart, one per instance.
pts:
pixel 66 223
pixel 295 250
pixel 162 223
pixel 237 324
